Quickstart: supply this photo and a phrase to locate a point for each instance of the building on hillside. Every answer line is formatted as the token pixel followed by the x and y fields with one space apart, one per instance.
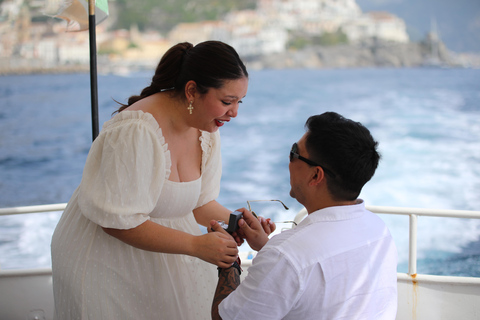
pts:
pixel 315 17
pixel 312 17
pixel 246 31
pixel 379 25
pixel 10 9
pixel 263 42
pixel 305 9
pixel 252 34
pixel 198 32
pixel 73 48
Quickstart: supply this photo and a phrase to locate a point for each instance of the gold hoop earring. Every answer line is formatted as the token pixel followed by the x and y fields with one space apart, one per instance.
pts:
pixel 190 107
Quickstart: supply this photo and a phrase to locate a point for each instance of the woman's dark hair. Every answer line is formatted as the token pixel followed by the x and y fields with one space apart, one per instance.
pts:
pixel 209 64
pixel 345 147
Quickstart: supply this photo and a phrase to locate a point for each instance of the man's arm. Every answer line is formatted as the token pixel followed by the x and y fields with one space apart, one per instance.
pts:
pixel 228 281
pixel 228 278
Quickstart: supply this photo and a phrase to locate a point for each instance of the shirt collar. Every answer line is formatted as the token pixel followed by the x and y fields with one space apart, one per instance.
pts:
pixel 336 213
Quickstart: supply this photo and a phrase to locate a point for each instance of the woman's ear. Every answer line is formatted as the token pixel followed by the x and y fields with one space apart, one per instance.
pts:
pixel 190 90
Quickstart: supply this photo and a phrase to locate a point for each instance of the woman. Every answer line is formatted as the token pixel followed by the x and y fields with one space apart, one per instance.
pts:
pixel 128 245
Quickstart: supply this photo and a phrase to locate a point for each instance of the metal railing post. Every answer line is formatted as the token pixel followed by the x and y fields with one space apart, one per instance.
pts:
pixel 412 245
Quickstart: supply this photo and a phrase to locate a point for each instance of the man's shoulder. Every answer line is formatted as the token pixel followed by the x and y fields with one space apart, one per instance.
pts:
pixel 292 246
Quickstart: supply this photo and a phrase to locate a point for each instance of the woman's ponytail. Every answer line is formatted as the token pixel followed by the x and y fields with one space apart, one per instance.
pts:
pixel 166 74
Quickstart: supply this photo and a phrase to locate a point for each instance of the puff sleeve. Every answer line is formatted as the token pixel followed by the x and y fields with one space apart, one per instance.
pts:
pixel 211 167
pixel 124 173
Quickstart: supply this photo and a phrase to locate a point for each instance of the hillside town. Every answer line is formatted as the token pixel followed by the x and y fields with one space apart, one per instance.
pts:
pixel 263 37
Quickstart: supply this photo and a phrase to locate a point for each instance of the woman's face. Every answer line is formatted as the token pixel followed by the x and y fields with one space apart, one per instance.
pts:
pixel 218 106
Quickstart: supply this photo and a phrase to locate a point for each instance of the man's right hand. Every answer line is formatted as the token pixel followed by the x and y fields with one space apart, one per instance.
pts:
pixel 255 230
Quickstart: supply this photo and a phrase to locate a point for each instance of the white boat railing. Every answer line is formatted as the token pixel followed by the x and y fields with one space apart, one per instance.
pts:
pixel 33 209
pixel 423 296
pixel 420 296
pixel 413 214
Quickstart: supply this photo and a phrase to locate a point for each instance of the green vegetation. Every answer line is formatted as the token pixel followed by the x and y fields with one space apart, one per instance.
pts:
pixel 165 14
pixel 107 51
pixel 133 45
pixel 331 39
pixel 298 42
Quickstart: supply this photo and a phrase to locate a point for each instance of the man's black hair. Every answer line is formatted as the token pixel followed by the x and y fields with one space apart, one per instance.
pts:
pixel 346 148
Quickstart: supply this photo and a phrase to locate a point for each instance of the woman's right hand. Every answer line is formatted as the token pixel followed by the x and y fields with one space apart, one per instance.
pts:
pixel 218 247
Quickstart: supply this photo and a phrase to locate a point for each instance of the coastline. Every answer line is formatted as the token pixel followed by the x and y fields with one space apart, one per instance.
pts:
pixel 371 54
pixel 30 70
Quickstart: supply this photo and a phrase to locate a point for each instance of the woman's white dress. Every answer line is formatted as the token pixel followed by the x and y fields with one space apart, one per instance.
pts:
pixel 124 183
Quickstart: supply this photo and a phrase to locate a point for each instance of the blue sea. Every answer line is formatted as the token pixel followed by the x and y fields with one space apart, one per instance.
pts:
pixel 427 122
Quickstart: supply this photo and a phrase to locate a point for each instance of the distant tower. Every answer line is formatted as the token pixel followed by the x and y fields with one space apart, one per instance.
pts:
pixel 434 40
pixel 436 52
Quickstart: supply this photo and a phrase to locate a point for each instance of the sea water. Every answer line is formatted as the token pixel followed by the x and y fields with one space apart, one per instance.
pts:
pixel 427 122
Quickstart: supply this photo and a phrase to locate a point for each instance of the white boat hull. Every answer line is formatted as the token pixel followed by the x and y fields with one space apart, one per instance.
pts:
pixel 28 294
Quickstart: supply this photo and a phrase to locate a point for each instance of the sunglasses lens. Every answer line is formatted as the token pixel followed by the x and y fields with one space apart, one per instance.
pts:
pixel 293 151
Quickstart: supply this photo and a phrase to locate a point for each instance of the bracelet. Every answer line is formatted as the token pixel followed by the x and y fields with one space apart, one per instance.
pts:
pixel 235 264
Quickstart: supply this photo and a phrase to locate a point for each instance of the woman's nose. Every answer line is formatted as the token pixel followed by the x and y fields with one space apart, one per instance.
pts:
pixel 233 111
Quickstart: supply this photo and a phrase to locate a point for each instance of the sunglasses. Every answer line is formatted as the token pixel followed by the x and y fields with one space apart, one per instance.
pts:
pixel 294 155
pixel 290 222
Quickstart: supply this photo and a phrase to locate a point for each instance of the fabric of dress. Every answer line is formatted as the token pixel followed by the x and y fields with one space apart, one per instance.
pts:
pixel 125 183
pixel 339 263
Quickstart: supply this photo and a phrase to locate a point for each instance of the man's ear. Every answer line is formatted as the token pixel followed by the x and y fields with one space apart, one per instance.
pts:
pixel 317 177
pixel 190 90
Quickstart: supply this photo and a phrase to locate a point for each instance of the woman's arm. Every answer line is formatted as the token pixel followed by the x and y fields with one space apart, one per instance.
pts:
pixel 214 247
pixel 211 211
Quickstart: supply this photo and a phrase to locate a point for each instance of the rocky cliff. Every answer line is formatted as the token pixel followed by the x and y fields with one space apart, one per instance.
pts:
pixel 366 54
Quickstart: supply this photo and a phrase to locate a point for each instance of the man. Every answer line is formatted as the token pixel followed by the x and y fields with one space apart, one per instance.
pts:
pixel 340 261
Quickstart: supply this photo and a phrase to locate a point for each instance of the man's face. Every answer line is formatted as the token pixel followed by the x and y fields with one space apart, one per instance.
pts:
pixel 299 172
